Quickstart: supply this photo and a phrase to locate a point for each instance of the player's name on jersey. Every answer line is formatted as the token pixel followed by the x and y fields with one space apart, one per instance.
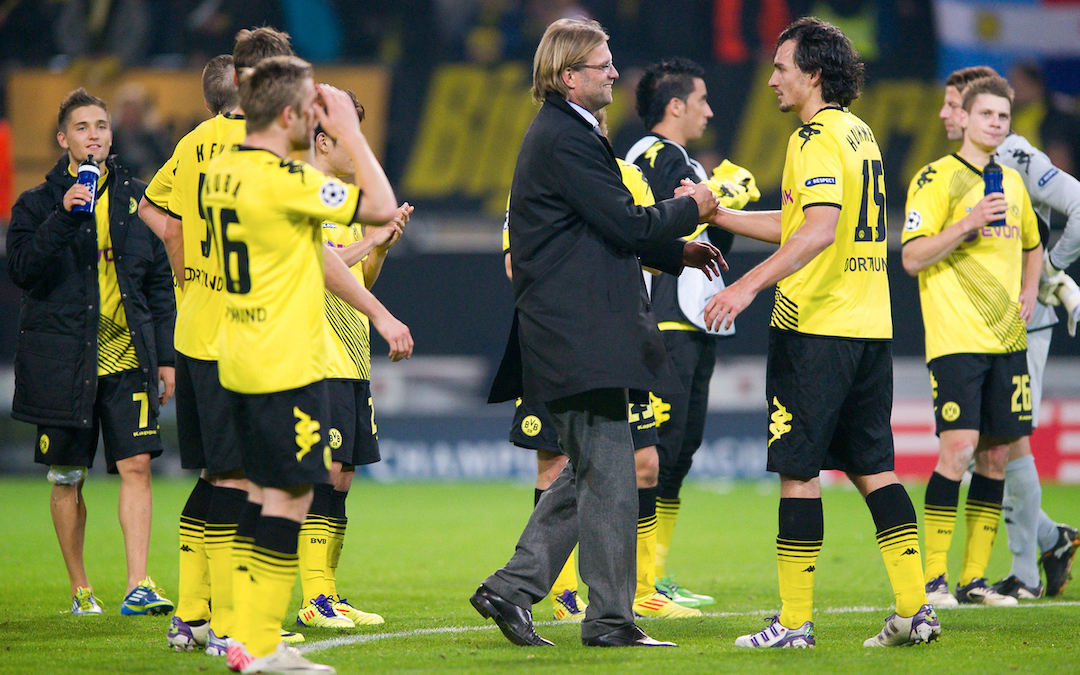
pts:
pixel 222 183
pixel 858 134
pixel 865 264
pixel 215 149
pixel 214 283
pixel 246 315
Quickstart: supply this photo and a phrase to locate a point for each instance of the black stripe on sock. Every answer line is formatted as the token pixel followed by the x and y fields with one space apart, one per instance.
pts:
pixel 941 491
pixel 646 498
pixel 337 504
pixel 891 507
pixel 801 519
pixel 226 507
pixel 249 521
pixel 986 490
pixel 277 535
pixel 198 502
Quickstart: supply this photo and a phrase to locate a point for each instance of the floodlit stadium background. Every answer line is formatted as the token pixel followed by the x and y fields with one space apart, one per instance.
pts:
pixel 445 87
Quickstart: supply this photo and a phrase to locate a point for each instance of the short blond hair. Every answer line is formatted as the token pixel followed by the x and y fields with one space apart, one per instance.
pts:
pixel 566 43
pixel 995 85
pixel 271 86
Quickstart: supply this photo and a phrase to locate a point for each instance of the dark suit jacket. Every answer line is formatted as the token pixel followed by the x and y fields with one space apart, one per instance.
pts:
pixel 583 319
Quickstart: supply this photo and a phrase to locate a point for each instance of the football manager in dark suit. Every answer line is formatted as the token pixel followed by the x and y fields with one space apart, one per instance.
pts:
pixel 583 334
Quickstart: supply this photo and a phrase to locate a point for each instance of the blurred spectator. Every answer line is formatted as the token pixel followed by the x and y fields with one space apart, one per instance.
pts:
pixel 139 139
pixel 1040 116
pixel 22 38
pixel 115 28
pixel 315 29
pixel 211 25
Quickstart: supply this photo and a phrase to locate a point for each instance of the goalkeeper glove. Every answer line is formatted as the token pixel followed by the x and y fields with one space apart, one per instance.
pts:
pixel 733 185
pixel 1068 293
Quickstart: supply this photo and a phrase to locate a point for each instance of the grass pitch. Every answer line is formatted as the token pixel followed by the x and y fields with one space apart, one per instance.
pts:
pixel 415 552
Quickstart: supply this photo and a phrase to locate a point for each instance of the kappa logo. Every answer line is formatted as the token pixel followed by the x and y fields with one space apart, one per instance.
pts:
pixel 926 177
pixel 651 153
pixel 810 569
pixel 910 551
pixel 186 549
pixel 1023 160
pixel 333 193
pixel 780 421
pixel 808 131
pixel 661 410
pixel 307 432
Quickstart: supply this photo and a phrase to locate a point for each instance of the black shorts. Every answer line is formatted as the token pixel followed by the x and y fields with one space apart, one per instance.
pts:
pixel 123 414
pixel 830 404
pixel 987 392
pixel 285 435
pixel 533 429
pixel 353 438
pixel 205 427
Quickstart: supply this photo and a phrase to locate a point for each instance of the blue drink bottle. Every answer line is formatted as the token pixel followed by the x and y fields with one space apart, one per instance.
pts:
pixel 992 178
pixel 88 176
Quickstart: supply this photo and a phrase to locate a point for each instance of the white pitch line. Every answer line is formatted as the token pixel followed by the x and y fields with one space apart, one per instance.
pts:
pixel 343 641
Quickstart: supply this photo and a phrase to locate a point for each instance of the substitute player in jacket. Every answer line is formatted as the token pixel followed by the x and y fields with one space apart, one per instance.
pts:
pixel 95 340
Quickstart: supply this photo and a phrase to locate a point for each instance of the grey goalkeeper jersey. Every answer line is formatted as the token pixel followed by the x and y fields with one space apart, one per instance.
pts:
pixel 1050 189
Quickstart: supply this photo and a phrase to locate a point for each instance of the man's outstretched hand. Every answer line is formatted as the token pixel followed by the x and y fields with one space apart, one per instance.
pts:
pixel 705 257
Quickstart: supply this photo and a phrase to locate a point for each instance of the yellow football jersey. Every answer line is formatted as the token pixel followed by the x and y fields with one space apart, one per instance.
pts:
pixel 970 300
pixel 834 160
pixel 201 307
pixel 350 334
pixel 160 188
pixel 632 178
pixel 265 214
pixel 116 353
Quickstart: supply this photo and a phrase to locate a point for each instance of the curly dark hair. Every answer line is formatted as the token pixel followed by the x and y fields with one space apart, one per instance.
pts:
pixel 671 78
pixel 822 47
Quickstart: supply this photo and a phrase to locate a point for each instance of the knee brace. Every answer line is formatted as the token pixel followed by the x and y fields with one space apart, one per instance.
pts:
pixel 67 475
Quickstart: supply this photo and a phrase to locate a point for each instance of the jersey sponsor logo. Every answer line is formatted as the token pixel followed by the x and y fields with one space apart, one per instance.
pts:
pixel 335 438
pixel 821 180
pixel 925 178
pixel 105 254
pixel 786 197
pixel 333 193
pixel 43 444
pixel 307 432
pixel 531 426
pixel 661 410
pixel 865 264
pixel 1048 176
pixel 950 412
pixel 781 419
pixel 1002 231
pixel 913 222
pixel 808 131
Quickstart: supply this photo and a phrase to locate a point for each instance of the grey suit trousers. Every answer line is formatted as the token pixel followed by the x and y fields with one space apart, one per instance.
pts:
pixel 593 503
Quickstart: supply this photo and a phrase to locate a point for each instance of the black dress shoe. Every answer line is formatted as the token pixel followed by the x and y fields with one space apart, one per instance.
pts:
pixel 514 622
pixel 627 636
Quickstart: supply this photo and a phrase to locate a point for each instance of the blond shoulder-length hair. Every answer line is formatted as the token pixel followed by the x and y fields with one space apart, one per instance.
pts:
pixel 566 43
